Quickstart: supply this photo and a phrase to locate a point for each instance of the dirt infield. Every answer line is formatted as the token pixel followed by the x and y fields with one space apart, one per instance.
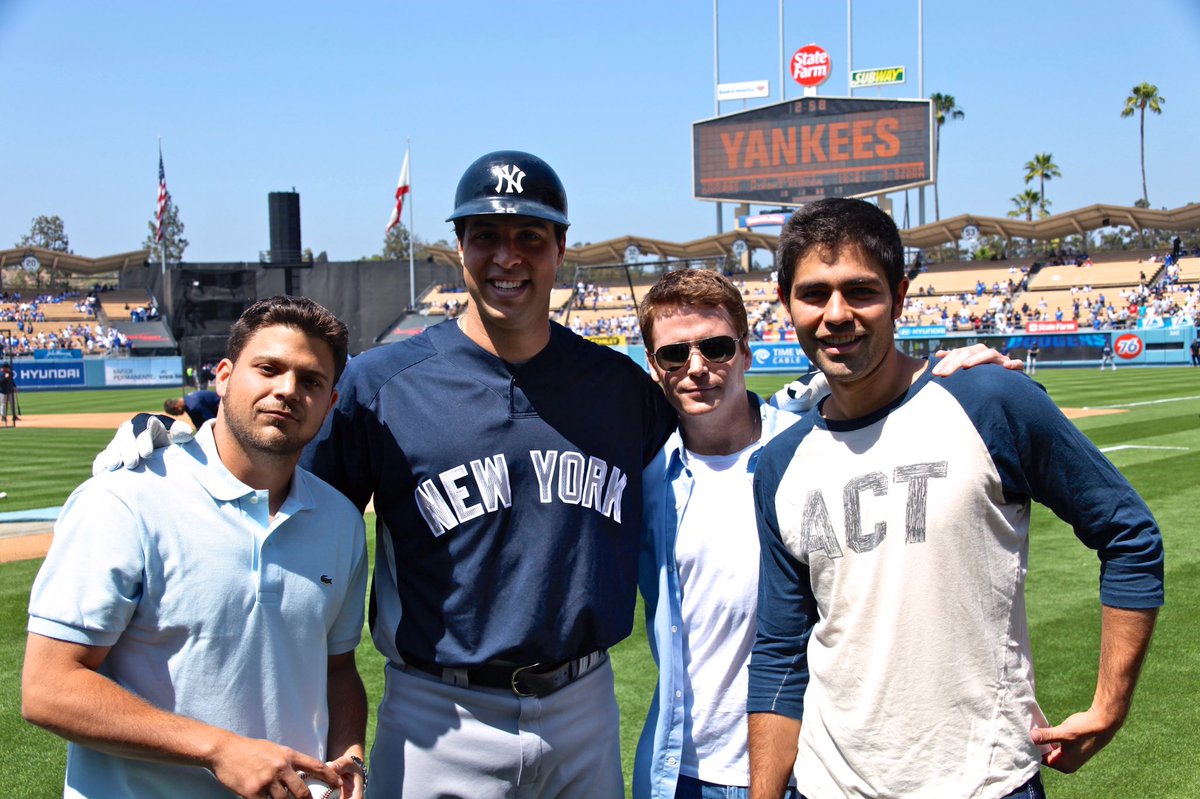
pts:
pixel 1081 413
pixel 74 421
pixel 27 547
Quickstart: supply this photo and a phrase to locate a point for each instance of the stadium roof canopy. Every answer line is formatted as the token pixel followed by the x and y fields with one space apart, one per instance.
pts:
pixel 945 231
pixel 612 251
pixel 71 263
pixel 1077 222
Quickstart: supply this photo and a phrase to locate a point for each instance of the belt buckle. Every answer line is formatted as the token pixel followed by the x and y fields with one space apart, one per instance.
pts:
pixel 516 676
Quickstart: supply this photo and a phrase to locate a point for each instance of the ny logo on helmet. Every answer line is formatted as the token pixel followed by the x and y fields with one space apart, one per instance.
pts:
pixel 509 178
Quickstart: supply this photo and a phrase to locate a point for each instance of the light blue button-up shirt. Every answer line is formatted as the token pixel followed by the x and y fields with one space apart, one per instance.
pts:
pixel 668 486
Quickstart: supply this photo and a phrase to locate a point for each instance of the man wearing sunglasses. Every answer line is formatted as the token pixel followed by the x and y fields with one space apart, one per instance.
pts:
pixel 894 526
pixel 699 567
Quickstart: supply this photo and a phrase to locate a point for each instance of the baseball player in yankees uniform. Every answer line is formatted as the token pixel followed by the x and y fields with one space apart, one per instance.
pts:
pixel 504 454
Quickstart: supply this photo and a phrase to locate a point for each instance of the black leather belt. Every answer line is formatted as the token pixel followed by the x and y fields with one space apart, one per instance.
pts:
pixel 535 679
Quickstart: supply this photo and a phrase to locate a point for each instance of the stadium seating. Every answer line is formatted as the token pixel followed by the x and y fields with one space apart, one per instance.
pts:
pixel 119 305
pixel 943 294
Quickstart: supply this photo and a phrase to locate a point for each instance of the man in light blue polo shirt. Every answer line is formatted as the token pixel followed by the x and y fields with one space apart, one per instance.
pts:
pixel 192 630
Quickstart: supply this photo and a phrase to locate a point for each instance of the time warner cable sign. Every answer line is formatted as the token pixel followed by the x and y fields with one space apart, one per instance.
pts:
pixel 801 150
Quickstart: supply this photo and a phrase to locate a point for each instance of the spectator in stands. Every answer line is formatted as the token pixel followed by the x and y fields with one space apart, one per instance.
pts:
pixel 200 406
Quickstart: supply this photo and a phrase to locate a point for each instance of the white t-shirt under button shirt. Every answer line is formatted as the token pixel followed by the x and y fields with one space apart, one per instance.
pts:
pixel 717 554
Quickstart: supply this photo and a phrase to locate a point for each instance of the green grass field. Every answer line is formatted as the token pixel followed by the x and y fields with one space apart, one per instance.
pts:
pixel 1155 441
pixel 132 399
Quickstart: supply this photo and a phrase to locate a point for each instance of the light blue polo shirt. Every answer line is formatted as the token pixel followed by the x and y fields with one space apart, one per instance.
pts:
pixel 212 610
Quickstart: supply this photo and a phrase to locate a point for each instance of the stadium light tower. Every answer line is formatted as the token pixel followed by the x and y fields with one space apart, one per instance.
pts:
pixel 716 92
pixel 921 94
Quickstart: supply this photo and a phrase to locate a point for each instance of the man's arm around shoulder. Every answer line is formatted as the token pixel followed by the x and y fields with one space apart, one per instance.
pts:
pixel 62 691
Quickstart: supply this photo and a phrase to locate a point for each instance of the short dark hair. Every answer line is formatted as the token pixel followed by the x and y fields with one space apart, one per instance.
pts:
pixel 836 222
pixel 299 313
pixel 699 288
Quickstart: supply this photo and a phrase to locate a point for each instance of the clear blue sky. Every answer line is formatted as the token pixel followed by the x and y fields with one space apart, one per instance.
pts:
pixel 261 96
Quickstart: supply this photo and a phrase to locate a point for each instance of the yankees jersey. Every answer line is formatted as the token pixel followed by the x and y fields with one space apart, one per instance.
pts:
pixel 508 498
pixel 892 584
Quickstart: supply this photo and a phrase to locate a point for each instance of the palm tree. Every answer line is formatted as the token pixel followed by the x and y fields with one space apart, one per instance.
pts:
pixel 1025 202
pixel 944 109
pixel 1043 168
pixel 1143 96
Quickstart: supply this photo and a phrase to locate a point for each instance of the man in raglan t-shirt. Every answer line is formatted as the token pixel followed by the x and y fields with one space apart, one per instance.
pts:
pixel 894 526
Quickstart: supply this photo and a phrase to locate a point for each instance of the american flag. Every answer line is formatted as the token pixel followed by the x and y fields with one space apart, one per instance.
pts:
pixel 162 197
pixel 401 190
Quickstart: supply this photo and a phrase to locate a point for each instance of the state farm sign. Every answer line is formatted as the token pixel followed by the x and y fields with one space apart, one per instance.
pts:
pixel 1052 327
pixel 810 65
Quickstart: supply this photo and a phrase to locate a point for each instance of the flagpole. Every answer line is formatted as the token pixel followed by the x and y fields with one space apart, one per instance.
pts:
pixel 412 286
pixel 162 241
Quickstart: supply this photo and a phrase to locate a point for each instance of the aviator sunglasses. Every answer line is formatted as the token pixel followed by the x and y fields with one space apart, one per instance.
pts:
pixel 717 349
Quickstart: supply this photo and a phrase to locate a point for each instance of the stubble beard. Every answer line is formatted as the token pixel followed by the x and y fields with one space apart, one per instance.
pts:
pixel 255 439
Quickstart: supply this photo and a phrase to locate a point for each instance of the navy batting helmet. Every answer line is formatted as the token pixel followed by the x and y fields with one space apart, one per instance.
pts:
pixel 511 182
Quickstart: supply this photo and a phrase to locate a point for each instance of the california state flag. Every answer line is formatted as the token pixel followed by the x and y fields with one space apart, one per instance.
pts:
pixel 401 190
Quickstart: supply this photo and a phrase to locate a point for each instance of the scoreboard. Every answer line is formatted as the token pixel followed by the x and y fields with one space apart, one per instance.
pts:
pixel 801 150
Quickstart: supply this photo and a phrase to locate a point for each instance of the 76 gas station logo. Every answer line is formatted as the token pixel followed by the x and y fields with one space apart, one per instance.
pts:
pixel 1128 346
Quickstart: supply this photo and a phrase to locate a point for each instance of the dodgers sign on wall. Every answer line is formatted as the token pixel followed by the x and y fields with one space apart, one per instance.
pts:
pixel 810 65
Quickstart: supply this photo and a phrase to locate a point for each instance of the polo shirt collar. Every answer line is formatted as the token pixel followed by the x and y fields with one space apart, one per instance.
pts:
pixel 218 481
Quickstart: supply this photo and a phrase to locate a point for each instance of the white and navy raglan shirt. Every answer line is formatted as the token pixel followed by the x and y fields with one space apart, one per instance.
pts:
pixel 891 613
pixel 508 497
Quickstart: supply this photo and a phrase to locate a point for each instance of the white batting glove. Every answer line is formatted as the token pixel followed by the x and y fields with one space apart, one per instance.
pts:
pixel 136 439
pixel 802 395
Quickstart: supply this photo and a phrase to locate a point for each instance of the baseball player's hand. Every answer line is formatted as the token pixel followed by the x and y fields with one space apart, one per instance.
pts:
pixel 136 439
pixel 800 395
pixel 1076 740
pixel 974 355
pixel 353 781
pixel 255 768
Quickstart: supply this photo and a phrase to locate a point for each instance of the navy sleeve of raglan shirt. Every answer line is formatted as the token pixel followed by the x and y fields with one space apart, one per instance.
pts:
pixel 1041 455
pixel 787 609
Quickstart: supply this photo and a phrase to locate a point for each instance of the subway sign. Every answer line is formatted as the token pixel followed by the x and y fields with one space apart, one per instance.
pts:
pixel 884 76
pixel 794 152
